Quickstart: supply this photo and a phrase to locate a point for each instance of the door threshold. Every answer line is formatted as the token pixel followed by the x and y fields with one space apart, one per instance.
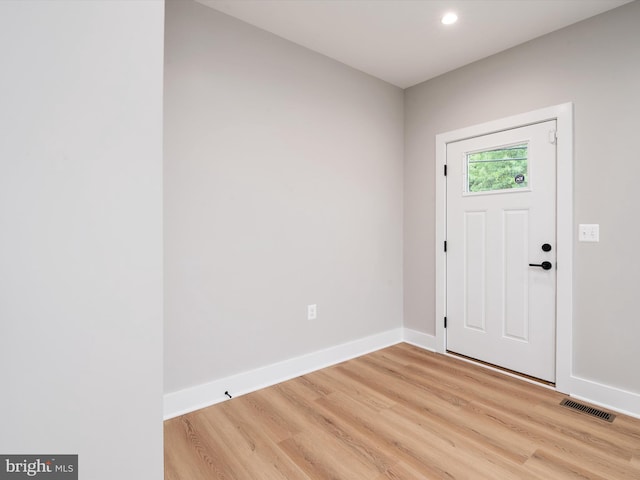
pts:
pixel 506 371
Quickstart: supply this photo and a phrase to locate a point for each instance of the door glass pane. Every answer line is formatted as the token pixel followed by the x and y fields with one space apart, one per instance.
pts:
pixel 505 168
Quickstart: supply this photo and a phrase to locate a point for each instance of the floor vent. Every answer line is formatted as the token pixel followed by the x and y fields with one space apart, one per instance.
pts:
pixel 594 412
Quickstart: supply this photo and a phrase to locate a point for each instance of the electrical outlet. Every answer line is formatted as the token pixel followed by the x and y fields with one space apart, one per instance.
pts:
pixel 312 312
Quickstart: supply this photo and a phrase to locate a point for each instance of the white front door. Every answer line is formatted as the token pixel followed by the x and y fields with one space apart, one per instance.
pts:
pixel 501 249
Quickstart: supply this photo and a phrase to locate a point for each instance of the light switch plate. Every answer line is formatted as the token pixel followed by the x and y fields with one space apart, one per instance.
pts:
pixel 589 232
pixel 312 312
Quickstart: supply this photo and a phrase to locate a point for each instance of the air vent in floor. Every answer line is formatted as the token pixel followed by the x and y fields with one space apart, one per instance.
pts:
pixel 594 412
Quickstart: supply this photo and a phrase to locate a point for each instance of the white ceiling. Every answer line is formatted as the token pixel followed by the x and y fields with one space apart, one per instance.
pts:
pixel 403 41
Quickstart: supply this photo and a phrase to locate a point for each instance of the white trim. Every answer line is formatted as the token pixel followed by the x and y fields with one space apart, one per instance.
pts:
pixel 563 114
pixel 419 339
pixel 611 398
pixel 606 396
pixel 200 396
pixel 564 245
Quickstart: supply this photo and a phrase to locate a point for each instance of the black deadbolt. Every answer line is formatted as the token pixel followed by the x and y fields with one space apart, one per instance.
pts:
pixel 546 247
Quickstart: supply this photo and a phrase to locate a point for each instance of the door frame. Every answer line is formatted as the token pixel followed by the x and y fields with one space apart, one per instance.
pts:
pixel 563 114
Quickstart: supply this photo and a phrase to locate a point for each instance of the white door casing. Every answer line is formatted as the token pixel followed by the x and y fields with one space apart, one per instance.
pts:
pixel 500 309
pixel 563 114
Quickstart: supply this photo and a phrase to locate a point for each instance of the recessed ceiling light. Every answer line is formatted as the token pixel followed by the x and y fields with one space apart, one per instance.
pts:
pixel 449 18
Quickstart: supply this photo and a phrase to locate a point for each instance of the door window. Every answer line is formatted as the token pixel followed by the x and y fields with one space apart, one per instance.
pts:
pixel 505 168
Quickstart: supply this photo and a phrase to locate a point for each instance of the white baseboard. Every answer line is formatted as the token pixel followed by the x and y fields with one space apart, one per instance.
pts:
pixel 419 339
pixel 608 397
pixel 200 396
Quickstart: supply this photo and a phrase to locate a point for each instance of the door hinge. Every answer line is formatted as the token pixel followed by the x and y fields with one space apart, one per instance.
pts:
pixel 445 322
pixel 553 136
pixel 445 169
pixel 445 246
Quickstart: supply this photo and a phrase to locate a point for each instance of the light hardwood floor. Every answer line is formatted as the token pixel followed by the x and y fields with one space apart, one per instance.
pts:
pixel 400 413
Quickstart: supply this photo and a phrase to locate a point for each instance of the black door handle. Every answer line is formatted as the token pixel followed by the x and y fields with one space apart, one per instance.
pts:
pixel 544 265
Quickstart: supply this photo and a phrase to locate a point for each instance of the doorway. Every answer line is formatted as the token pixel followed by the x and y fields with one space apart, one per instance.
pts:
pixel 508 260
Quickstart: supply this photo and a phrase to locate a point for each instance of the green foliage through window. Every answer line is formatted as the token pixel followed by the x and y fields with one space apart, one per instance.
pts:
pixel 501 169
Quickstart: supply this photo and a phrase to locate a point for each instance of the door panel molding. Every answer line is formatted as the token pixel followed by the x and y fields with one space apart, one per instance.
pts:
pixel 515 222
pixel 563 114
pixel 475 227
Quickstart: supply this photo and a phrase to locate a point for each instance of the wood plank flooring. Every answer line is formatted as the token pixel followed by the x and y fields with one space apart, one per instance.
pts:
pixel 400 413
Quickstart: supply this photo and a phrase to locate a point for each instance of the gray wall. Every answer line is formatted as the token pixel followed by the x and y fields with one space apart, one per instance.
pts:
pixel 596 65
pixel 81 234
pixel 283 187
